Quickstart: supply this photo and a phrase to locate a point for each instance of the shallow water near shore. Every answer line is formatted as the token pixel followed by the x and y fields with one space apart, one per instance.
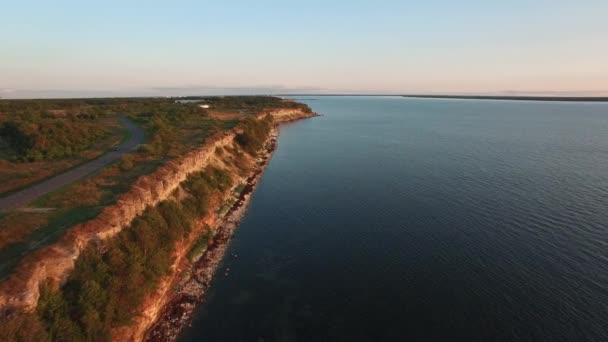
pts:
pixel 394 219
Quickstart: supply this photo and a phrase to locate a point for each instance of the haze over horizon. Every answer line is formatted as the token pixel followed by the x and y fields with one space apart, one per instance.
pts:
pixel 112 48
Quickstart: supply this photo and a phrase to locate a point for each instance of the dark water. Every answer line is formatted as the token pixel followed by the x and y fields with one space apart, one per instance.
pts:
pixel 393 219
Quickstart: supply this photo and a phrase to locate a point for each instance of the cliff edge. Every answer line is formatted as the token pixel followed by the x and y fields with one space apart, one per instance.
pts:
pixel 21 291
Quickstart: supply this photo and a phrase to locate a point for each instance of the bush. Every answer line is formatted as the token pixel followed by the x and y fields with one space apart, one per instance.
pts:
pixel 50 138
pixel 126 162
pixel 22 327
pixel 146 149
pixel 254 133
pixel 104 290
pixel 200 245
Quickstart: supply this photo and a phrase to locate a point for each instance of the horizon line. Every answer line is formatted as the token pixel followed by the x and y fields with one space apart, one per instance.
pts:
pixel 555 98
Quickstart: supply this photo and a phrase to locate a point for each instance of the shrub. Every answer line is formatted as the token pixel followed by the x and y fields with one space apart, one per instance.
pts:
pixel 22 327
pixel 104 290
pixel 50 138
pixel 254 133
pixel 126 162
pixel 200 245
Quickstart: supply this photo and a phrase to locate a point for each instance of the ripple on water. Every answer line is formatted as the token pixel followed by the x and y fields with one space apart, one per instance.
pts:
pixel 397 219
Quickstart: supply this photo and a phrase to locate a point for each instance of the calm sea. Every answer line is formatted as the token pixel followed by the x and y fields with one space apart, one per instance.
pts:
pixel 393 219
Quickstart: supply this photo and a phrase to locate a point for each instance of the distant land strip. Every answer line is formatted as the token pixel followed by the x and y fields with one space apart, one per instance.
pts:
pixel 475 97
pixel 516 98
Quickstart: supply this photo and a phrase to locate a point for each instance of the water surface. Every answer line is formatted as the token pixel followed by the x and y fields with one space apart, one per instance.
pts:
pixel 390 219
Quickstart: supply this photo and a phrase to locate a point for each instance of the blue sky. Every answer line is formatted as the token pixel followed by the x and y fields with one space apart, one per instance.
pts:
pixel 108 48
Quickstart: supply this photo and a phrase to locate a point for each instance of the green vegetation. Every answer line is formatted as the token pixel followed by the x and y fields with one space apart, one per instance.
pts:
pixel 36 130
pixel 110 282
pixel 200 245
pixel 39 138
pixel 249 104
pixel 23 327
pixel 99 189
pixel 172 129
pixel 50 138
pixel 239 189
pixel 126 162
pixel 254 133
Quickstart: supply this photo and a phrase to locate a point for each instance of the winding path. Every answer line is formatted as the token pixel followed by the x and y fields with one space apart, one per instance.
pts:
pixel 19 198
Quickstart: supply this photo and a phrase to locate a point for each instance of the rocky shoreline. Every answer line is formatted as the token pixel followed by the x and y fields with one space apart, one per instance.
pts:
pixel 191 290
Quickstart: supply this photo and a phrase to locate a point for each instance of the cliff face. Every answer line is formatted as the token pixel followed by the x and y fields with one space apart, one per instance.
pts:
pixel 21 290
pixel 155 302
pixel 287 115
pixel 54 262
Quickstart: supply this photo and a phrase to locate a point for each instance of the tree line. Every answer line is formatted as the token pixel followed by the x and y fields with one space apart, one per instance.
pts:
pixel 50 138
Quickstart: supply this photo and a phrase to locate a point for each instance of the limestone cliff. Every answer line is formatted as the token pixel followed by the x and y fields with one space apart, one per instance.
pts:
pixel 21 290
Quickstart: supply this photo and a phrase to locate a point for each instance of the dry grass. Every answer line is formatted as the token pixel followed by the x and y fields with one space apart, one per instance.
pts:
pixel 96 190
pixel 91 193
pixel 16 226
pixel 224 115
pixel 88 194
pixel 83 194
pixel 58 112
pixel 16 175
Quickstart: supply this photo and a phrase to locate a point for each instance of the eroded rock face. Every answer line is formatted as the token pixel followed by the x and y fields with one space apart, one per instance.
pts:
pixel 21 290
pixel 167 312
pixel 55 262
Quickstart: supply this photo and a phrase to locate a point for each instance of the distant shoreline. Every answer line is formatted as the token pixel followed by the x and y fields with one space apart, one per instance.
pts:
pixel 475 97
pixel 515 98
